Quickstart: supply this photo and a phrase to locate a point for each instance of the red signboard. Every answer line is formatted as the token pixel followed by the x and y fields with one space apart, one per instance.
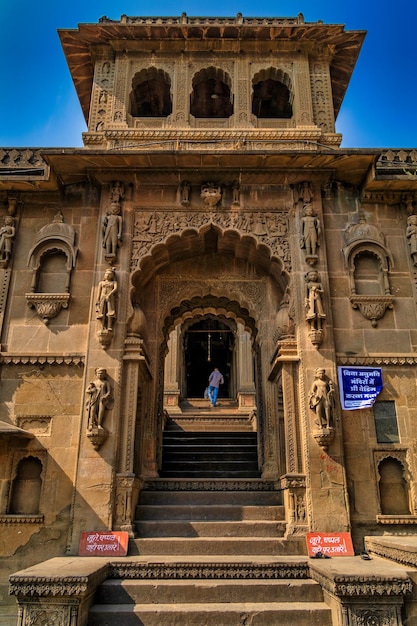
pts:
pixel 104 543
pixel 329 544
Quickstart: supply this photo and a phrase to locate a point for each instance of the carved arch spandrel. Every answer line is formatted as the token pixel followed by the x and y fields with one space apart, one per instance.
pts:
pixel 159 238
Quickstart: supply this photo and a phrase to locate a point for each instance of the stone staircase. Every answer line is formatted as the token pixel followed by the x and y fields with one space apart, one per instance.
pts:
pixel 210 547
pixel 209 455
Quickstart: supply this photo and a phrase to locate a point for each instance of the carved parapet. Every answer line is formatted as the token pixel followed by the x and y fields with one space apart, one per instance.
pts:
pixel 372 308
pixel 362 592
pixel 47 305
pixel 56 593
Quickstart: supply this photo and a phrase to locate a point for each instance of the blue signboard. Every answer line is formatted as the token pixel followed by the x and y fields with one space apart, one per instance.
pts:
pixel 359 386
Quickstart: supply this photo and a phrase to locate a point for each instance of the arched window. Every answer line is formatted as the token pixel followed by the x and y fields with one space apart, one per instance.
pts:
pixel 272 97
pixel 151 94
pixel 393 488
pixel 211 94
pixel 26 487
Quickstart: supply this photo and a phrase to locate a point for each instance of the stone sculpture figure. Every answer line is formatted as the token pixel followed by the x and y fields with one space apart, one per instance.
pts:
pixel 99 398
pixel 310 231
pixel 315 314
pixel 7 233
pixel 411 234
pixel 106 300
pixel 112 231
pixel 185 192
pixel 322 399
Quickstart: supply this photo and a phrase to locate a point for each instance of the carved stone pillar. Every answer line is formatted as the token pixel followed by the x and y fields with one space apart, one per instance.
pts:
pixel 127 483
pixel 303 108
pixel 171 386
pixel 245 376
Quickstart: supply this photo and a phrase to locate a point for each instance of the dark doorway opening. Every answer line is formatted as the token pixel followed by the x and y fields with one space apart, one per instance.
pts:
pixel 208 343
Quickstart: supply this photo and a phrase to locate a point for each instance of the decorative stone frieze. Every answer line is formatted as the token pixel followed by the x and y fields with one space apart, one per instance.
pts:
pixel 42 359
pixel 152 227
pixel 205 571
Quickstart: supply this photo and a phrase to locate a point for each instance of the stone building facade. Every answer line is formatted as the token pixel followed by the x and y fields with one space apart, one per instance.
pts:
pixel 210 216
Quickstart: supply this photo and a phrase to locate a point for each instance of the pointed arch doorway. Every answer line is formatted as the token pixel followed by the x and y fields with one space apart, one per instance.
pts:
pixel 208 343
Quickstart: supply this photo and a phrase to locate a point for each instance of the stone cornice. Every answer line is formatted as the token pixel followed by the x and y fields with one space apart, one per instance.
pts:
pixel 21 519
pixel 9 358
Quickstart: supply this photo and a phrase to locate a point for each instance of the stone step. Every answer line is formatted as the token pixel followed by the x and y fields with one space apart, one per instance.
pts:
pixel 207 436
pixel 210 421
pixel 207 472
pixel 182 528
pixel 174 491
pixel 185 591
pixel 209 453
pixel 214 614
pixel 235 546
pixel 209 512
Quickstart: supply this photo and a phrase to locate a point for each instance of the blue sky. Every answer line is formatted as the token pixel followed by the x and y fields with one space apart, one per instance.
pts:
pixel 39 106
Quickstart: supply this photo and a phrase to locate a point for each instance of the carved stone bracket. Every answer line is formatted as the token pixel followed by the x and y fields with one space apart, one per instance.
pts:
pixel 47 305
pixel 372 308
pixel 97 435
pixel 316 337
pixel 105 337
pixel 324 437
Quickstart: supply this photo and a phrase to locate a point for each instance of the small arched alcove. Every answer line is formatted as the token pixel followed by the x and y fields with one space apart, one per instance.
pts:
pixel 52 260
pixel 393 487
pixel 26 487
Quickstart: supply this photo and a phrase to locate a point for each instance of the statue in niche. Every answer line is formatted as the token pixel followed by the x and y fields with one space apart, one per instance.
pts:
pixel 310 233
pixel 112 231
pixel 300 509
pixel 322 399
pixel 117 192
pixel 99 399
pixel 315 314
pixel 106 300
pixel 185 192
pixel 411 234
pixel 306 193
pixel 7 234
pixel 236 193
